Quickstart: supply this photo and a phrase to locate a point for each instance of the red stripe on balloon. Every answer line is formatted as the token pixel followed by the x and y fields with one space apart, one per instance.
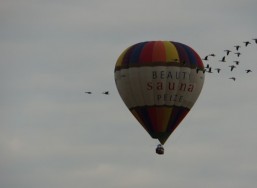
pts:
pixel 146 53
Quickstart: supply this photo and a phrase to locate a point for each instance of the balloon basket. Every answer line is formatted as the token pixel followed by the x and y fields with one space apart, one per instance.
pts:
pixel 159 150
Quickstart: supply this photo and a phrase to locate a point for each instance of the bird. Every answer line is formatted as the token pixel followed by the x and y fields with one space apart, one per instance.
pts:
pixel 227 51
pixel 237 47
pixel 106 92
pixel 88 92
pixel 218 70
pixel 247 43
pixel 255 40
pixel 232 67
pixel 233 78
pixel 198 69
pixel 248 71
pixel 213 55
pixel 236 62
pixel 207 66
pixel 238 54
pixel 206 58
pixel 223 59
pixel 209 70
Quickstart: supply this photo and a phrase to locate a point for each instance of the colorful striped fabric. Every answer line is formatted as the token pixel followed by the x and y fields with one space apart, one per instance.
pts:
pixel 159 81
pixel 159 52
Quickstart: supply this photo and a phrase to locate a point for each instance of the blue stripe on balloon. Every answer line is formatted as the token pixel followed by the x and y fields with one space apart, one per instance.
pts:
pixel 134 57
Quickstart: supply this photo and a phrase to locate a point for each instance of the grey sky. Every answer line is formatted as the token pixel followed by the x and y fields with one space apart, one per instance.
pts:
pixel 53 135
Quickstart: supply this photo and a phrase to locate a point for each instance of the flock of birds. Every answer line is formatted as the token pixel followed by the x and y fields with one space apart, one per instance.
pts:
pixel 223 59
pixel 105 92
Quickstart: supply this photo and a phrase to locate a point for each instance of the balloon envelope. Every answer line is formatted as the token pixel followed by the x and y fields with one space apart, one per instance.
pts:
pixel 159 81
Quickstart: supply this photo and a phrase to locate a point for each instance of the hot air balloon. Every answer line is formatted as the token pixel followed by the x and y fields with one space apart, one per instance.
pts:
pixel 159 81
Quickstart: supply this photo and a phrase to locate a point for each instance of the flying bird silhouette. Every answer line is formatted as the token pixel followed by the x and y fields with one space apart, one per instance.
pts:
pixel 255 40
pixel 207 66
pixel 88 92
pixel 198 69
pixel 206 58
pixel 227 51
pixel 232 67
pixel 233 78
pixel 237 47
pixel 106 92
pixel 213 55
pixel 218 70
pixel 209 70
pixel 248 71
pixel 223 59
pixel 247 43
pixel 238 54
pixel 236 62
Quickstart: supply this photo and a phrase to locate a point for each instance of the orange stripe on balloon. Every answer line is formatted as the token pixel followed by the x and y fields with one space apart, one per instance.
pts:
pixel 159 118
pixel 159 54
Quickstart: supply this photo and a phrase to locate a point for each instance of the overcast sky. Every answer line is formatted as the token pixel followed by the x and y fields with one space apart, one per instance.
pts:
pixel 54 135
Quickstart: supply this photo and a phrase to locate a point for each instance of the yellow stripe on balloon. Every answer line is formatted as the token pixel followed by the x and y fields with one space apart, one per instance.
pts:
pixel 120 58
pixel 171 52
